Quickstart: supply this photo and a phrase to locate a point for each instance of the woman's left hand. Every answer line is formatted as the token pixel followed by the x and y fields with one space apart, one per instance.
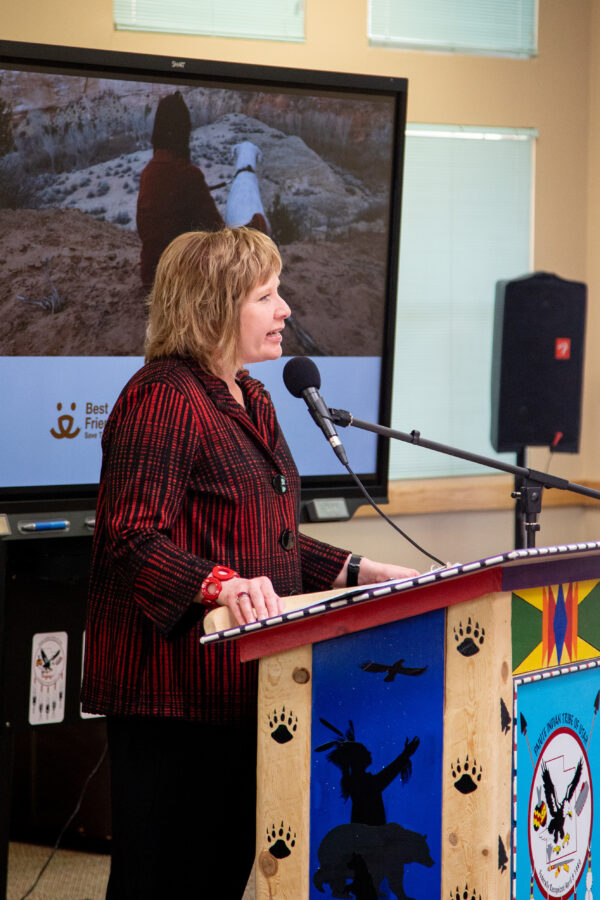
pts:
pixel 372 572
pixel 250 599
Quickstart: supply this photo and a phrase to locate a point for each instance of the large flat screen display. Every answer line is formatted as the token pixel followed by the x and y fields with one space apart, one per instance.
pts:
pixel 314 158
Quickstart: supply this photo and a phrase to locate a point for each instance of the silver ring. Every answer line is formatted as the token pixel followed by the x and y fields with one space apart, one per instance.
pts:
pixel 242 594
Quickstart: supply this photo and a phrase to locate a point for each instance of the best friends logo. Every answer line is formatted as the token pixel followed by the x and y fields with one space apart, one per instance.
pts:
pixel 66 426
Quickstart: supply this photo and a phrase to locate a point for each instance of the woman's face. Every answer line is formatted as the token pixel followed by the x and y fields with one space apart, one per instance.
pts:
pixel 262 320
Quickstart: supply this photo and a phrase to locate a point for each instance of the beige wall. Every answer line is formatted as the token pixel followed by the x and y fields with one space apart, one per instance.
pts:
pixel 558 94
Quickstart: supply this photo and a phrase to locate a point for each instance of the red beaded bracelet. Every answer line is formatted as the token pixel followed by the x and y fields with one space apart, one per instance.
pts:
pixel 212 584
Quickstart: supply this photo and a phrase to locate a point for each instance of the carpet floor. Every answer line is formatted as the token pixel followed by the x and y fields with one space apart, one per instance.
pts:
pixel 71 875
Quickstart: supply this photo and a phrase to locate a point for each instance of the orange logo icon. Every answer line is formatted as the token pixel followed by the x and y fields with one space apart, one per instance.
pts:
pixel 65 424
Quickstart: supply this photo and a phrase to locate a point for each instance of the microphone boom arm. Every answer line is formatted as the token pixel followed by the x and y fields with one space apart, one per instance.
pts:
pixel 529 496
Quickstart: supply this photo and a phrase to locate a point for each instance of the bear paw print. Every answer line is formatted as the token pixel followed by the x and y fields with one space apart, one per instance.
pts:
pixel 464 895
pixel 283 725
pixel 281 841
pixel 466 775
pixel 469 638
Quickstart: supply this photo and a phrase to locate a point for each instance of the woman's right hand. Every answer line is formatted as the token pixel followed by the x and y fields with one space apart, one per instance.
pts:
pixel 249 599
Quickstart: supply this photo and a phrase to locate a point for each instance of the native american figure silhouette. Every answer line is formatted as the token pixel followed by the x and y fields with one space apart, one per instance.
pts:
pixel 354 859
pixel 556 826
pixel 365 789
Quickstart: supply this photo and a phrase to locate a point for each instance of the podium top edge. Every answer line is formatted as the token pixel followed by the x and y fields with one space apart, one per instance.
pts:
pixel 519 569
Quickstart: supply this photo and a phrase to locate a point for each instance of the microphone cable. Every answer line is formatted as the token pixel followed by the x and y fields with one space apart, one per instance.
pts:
pixel 389 521
pixel 302 378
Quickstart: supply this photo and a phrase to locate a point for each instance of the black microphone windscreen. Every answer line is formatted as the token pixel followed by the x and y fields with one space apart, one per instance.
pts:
pixel 300 373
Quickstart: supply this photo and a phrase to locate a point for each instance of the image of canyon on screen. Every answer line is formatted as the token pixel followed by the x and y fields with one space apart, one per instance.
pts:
pixel 74 144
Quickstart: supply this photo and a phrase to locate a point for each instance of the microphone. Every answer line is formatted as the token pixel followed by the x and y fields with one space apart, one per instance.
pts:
pixel 302 379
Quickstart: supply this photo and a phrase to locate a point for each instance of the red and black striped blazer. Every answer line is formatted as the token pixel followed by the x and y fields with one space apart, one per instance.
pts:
pixel 189 479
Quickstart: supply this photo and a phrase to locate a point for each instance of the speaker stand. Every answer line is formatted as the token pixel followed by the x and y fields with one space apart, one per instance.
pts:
pixel 528 505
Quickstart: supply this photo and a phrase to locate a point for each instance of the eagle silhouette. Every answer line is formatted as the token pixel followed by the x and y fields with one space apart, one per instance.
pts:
pixel 47 662
pixel 397 668
pixel 556 826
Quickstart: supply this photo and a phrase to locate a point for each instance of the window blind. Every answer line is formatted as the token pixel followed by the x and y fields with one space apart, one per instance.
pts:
pixel 277 20
pixel 466 223
pixel 503 27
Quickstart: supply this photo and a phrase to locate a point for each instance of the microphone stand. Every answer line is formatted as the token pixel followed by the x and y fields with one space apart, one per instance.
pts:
pixel 532 482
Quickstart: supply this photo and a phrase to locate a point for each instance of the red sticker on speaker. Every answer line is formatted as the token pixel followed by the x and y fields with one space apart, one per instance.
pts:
pixel 562 348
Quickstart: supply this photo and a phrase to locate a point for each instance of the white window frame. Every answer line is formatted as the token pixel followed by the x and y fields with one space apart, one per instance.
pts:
pixel 444 323
pixel 482 27
pixel 273 20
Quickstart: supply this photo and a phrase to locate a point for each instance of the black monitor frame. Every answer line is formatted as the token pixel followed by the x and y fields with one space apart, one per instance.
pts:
pixel 179 70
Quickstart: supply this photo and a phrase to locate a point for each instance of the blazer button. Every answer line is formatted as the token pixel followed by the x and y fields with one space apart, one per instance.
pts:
pixel 287 539
pixel 279 483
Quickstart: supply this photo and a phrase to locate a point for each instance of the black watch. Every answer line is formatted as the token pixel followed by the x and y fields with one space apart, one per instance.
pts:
pixel 353 570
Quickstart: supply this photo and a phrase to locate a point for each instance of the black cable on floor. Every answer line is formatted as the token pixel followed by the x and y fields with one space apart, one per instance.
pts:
pixel 67 823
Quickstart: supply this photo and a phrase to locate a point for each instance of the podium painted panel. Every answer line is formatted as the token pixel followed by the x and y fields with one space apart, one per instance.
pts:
pixel 432 737
pixel 376 762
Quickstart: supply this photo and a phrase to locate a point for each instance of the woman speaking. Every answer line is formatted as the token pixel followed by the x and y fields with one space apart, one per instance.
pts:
pixel 198 506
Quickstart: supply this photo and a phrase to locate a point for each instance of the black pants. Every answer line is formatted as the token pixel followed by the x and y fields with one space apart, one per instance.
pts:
pixel 183 809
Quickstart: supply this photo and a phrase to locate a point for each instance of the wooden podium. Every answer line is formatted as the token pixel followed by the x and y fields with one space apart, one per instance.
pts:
pixel 431 737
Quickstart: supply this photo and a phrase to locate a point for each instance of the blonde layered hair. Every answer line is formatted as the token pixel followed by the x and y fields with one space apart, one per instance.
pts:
pixel 201 281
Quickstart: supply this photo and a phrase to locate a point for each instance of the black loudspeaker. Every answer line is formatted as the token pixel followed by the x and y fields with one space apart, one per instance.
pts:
pixel 537 363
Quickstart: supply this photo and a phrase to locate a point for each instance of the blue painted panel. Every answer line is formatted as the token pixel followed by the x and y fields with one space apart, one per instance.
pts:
pixel 382 737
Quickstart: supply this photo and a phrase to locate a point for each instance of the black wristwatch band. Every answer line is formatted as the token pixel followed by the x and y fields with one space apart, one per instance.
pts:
pixel 353 569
